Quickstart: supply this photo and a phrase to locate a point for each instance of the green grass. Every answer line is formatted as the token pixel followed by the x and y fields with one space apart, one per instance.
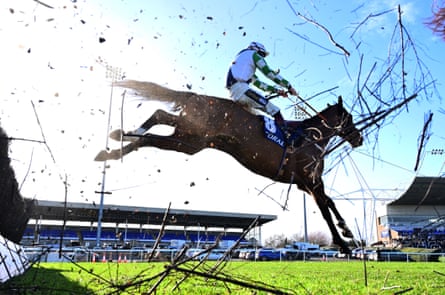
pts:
pixel 293 277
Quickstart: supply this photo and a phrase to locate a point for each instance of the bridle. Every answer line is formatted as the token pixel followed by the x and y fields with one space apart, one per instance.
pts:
pixel 339 128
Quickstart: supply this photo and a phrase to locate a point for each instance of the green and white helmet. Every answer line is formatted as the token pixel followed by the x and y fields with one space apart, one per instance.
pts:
pixel 258 47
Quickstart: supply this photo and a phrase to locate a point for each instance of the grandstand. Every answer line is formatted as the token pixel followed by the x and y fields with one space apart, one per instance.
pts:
pixel 129 227
pixel 417 218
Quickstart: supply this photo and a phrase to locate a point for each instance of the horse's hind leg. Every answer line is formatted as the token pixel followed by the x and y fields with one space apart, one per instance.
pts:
pixel 160 117
pixel 117 153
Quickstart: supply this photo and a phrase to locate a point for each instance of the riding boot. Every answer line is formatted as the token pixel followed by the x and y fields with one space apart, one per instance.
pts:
pixel 292 125
pixel 279 120
pixel 291 129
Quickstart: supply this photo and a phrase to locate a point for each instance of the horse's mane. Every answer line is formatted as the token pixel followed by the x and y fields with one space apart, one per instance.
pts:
pixel 316 118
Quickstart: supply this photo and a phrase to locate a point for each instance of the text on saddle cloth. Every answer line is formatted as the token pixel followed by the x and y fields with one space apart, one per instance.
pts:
pixel 276 134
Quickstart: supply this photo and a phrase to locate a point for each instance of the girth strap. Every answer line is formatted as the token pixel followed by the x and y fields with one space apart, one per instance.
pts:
pixel 291 144
pixel 284 159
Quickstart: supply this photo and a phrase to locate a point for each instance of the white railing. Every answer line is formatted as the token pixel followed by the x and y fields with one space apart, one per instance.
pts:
pixel 139 255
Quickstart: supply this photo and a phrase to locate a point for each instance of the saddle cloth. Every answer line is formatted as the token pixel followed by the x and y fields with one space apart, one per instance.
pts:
pixel 283 138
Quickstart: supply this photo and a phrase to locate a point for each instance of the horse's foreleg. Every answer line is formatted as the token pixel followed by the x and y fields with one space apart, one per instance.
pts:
pixel 336 239
pixel 346 232
pixel 326 206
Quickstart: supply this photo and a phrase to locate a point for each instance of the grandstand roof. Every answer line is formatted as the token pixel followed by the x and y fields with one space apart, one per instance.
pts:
pixel 427 191
pixel 52 210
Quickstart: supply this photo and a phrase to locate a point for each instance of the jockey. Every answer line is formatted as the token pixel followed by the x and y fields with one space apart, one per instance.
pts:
pixel 242 73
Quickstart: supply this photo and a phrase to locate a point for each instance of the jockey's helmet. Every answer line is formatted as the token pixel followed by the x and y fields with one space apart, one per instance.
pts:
pixel 258 47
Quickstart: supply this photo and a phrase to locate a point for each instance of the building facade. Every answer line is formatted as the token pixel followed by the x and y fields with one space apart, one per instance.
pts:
pixel 417 218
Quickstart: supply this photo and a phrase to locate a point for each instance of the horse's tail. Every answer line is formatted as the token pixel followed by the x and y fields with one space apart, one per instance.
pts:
pixel 153 91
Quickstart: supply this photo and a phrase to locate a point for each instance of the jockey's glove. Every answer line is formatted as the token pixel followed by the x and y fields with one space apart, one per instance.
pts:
pixel 292 91
pixel 279 91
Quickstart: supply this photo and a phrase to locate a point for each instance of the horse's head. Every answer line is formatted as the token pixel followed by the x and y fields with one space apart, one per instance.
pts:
pixel 341 121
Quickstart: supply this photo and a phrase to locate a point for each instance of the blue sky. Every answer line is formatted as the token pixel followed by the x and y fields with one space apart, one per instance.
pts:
pixel 53 59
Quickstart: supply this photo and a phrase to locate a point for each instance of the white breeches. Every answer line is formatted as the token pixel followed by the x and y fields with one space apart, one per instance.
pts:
pixel 237 93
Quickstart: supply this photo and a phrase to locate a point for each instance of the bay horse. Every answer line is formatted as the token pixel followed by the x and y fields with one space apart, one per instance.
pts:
pixel 201 122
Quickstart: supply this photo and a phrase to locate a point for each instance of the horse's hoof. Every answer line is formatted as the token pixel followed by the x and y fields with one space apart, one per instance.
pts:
pixel 117 134
pixel 347 234
pixel 101 156
pixel 346 251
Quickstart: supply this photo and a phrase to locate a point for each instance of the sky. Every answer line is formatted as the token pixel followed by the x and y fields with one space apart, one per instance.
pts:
pixel 55 89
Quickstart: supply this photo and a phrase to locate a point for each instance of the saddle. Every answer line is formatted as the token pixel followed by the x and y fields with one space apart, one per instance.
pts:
pixel 287 135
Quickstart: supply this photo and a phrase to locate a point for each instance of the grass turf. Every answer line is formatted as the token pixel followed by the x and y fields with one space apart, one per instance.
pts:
pixel 312 277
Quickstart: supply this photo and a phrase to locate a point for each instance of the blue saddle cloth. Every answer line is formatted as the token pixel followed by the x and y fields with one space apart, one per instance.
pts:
pixel 274 133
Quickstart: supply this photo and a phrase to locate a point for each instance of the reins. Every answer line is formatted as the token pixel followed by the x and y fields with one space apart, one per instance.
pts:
pixel 312 108
pixel 323 118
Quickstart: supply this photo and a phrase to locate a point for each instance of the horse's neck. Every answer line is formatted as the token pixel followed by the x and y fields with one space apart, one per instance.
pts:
pixel 319 122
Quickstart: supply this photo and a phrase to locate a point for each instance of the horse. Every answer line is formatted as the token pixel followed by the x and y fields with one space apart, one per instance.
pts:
pixel 201 122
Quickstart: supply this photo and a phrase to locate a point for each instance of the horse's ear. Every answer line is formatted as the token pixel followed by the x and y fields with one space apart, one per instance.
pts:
pixel 340 100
